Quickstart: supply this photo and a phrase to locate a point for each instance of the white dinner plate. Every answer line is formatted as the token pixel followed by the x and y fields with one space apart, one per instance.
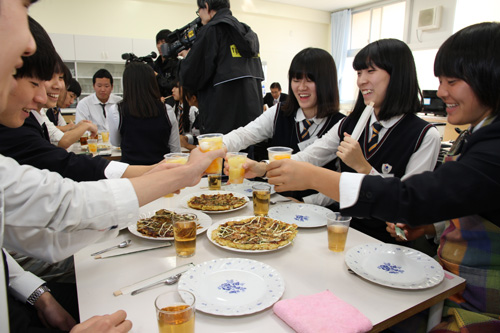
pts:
pixel 216 225
pixel 394 266
pixel 204 221
pixel 233 286
pixel 246 187
pixel 185 200
pixel 303 215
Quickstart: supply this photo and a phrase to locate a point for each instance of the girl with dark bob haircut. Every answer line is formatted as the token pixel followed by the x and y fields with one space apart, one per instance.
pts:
pixel 140 123
pixel 310 111
pixel 463 191
pixel 403 94
pixel 318 66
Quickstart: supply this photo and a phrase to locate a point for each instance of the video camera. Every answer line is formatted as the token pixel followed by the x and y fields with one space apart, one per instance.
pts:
pixel 130 57
pixel 181 39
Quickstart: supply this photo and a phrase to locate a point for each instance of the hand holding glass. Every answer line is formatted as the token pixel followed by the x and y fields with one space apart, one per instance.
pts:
pixel 209 142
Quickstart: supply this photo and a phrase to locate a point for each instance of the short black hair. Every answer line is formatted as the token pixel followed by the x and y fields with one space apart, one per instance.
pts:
pixel 74 87
pixel 162 35
pixel 214 4
pixel 102 74
pixel 275 85
pixel 403 94
pixel 472 54
pixel 42 63
pixel 318 66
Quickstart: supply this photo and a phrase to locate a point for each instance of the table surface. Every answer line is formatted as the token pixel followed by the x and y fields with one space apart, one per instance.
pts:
pixel 307 267
pixel 113 153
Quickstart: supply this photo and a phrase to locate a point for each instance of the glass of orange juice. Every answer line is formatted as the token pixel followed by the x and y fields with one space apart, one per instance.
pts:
pixel 279 153
pixel 92 144
pixel 175 311
pixel 105 136
pixel 236 171
pixel 178 158
pixel 209 142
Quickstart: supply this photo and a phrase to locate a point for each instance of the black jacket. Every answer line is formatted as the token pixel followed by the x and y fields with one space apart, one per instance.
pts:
pixel 224 67
pixel 27 145
pixel 167 74
pixel 268 99
pixel 468 186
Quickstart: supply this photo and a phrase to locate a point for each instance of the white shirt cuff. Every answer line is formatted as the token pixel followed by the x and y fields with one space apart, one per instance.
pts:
pixel 115 169
pixel 349 186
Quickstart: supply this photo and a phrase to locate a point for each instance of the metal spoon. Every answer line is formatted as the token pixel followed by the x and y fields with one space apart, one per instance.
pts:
pixel 168 281
pixel 119 246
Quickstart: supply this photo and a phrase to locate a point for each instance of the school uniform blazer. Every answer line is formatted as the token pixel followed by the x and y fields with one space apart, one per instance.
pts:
pixel 468 186
pixel 27 145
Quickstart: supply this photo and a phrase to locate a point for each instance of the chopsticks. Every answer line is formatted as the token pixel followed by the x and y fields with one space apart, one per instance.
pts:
pixel 360 125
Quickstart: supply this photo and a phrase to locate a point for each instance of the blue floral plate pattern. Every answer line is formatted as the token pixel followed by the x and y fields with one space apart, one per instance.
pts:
pixel 233 286
pixel 303 215
pixel 394 266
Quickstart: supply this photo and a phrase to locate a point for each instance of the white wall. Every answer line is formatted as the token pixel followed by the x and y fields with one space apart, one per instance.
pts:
pixel 283 30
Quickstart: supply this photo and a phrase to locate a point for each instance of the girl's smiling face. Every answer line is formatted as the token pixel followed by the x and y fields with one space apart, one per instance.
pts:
pixel 462 105
pixel 304 90
pixel 373 82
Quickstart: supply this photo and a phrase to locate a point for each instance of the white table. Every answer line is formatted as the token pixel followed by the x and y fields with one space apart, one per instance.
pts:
pixel 307 267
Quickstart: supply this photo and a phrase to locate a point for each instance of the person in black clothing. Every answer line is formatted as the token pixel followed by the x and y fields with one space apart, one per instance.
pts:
pixel 224 67
pixel 275 96
pixel 140 123
pixel 165 68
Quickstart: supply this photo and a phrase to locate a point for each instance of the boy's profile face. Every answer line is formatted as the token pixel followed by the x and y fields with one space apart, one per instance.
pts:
pixel 17 41
pixel 28 94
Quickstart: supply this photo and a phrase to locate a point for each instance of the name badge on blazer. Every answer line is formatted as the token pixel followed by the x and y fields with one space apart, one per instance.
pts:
pixel 304 144
pixel 386 169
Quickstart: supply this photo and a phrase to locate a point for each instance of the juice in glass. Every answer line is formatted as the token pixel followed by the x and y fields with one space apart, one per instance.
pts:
pixel 337 226
pixel 261 195
pixel 214 182
pixel 279 153
pixel 105 136
pixel 92 144
pixel 175 312
pixel 209 142
pixel 185 238
pixel 236 171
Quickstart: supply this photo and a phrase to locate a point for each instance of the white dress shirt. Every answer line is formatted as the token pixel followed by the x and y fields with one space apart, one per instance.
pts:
pixel 90 108
pixel 49 217
pixel 324 150
pixel 114 169
pixel 115 137
pixel 262 128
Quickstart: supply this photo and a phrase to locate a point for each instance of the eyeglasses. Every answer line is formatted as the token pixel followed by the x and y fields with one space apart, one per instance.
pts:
pixel 198 12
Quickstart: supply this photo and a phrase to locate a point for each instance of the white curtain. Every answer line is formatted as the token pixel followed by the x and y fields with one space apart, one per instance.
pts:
pixel 341 27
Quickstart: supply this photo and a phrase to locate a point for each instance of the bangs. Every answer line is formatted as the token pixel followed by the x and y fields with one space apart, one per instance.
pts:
pixel 300 75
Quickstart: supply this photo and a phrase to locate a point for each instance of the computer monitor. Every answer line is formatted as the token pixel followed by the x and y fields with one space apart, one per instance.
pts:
pixel 432 103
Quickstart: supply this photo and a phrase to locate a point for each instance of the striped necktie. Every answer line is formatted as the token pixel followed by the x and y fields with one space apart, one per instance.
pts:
pixel 304 135
pixel 103 109
pixel 181 127
pixel 374 139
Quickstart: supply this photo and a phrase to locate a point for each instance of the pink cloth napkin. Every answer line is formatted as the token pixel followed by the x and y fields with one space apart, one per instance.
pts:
pixel 322 312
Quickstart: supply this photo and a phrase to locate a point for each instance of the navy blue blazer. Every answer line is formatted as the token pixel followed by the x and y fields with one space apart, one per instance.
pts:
pixel 27 145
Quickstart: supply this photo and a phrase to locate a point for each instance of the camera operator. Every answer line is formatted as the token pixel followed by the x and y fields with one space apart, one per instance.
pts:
pixel 166 68
pixel 224 67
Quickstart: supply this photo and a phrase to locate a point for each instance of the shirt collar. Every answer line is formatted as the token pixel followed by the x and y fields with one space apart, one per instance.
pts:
pixel 299 116
pixel 388 123
pixel 38 117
